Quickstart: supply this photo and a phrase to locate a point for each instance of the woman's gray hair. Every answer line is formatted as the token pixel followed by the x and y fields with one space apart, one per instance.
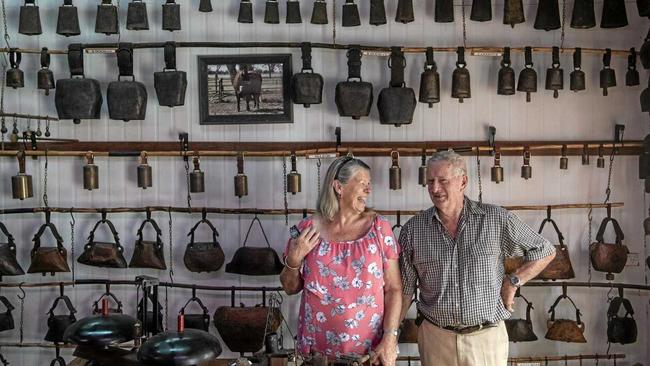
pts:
pixel 341 169
pixel 456 161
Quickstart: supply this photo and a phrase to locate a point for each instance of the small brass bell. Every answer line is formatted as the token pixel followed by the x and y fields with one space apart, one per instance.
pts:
pixel 21 184
pixel 68 20
pixel 583 16
pixel 45 77
pixel 90 173
pixel 528 76
pixel 506 78
pixel 145 173
pixel 548 15
pixel 607 74
pixel 614 14
pixel 395 172
pixel 585 154
pixel 481 10
pixel 293 178
pixel 496 172
pixel 377 12
pixel 444 11
pixel 197 177
pixel 241 180
pixel 555 75
pixel 136 16
pixel 15 76
pixel 319 12
pixel 171 16
pixel 460 82
pixel 205 6
pixel 29 19
pixel 351 14
pixel 632 75
pixel 577 77
pixel 526 169
pixel 600 162
pixel 271 12
pixel 245 12
pixel 564 160
pixel 293 12
pixel 513 12
pixel 106 21
pixel 422 170
pixel 429 81
pixel 404 13
pixel 645 99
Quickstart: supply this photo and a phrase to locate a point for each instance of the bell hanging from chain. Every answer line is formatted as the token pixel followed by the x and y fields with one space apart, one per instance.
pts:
pixel 481 10
pixel 506 78
pixel 422 170
pixel 444 11
pixel 197 177
pixel 171 16
pixel 460 82
pixel 429 81
pixel 548 15
pixel 528 76
pixel 68 20
pixel 106 20
pixel 585 154
pixel 293 12
pixel 145 173
pixel 404 13
pixel 583 16
pixel 205 6
pixel 377 12
pixel 245 12
pixel 21 184
pixel 293 178
pixel 564 159
pixel 136 16
pixel 29 19
pixel 632 75
pixel 319 12
pixel 45 77
pixel 271 12
pixel 526 169
pixel 351 14
pixel 241 180
pixel 645 99
pixel 90 173
pixel 607 74
pixel 555 75
pixel 496 172
pixel 614 14
pixel 600 162
pixel 15 78
pixel 395 172
pixel 577 76
pixel 513 12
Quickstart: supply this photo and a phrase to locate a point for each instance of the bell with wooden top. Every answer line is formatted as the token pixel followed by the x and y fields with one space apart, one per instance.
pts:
pixel 205 6
pixel 528 76
pixel 396 103
pixel 127 99
pixel 21 184
pixel 106 20
pixel 170 84
pixel 555 75
pixel 583 16
pixel 577 76
pixel 395 172
pixel 293 178
pixel 506 78
pixel 45 77
pixel 241 180
pixel 481 10
pixel 29 22
pixel 444 11
pixel 496 172
pixel 68 20
pixel 460 82
pixel 351 14
pixel 614 14
pixel 607 74
pixel 145 173
pixel 15 78
pixel 293 12
pixel 136 16
pixel 245 12
pixel 404 13
pixel 632 75
pixel 422 170
pixel 513 12
pixel 526 169
pixel 171 16
pixel 548 15
pixel 197 177
pixel 319 12
pixel 90 173
pixel 429 81
pixel 272 12
pixel 377 12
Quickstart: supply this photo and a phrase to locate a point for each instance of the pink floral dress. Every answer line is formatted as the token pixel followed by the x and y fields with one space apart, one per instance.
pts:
pixel 342 305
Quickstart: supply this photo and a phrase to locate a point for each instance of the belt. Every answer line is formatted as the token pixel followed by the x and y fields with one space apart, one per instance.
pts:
pixel 469 329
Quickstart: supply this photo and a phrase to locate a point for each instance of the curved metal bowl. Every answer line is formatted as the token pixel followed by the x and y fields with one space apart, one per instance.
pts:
pixel 190 347
pixel 99 330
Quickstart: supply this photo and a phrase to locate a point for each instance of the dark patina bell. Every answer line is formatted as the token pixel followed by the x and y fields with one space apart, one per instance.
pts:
pixel 481 10
pixel 21 184
pixel 614 14
pixel 577 77
pixel 528 76
pixel 241 180
pixel 645 52
pixel 127 100
pixel 646 230
pixel 351 14
pixel 548 15
pixel 644 166
pixel 245 12
pixel 354 97
pixel 197 177
pixel 30 19
pixel 632 75
pixel 583 16
pixel 645 99
pixel 396 103
pixel 404 13
pixel 600 162
pixel 90 173
pixel 377 12
pixel 526 169
pixel 513 12
pixel 293 12
pixel 643 6
pixel 272 12
pixel 136 16
pixel 422 170
pixel 607 74
pixel 506 78
pixel 319 12
pixel 293 178
pixel 145 173
pixel 68 20
pixel 45 76
pixel 171 16
pixel 106 20
pixel 170 84
pixel 585 154
pixel 496 172
pixel 564 159
pixel 15 76
pixel 307 86
pixel 394 172
pixel 205 6
pixel 444 11
pixel 429 81
pixel 77 98
pixel 460 82
pixel 647 190
pixel 555 75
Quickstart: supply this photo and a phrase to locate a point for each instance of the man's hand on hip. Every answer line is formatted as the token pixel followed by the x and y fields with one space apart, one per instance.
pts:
pixel 508 291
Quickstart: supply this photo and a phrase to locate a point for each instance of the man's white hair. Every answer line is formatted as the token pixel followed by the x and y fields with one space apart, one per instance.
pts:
pixel 459 167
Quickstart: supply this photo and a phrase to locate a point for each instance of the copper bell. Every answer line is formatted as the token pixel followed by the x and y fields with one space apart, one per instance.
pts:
pixel 496 172
pixel 90 173
pixel 145 173
pixel 106 20
pixel 632 75
pixel 422 170
pixel 614 14
pixel 481 10
pixel 645 52
pixel 564 160
pixel 444 11
pixel 205 6
pixel 21 184
pixel 404 13
pixel 171 16
pixel 526 169
pixel 293 178
pixel 506 78
pixel 15 76
pixel 293 12
pixel 528 76
pixel 245 12
pixel 395 172
pixel 136 16
pixel 460 83
pixel 555 75
pixel 351 14
pixel 583 16
pixel 68 20
pixel 585 154
pixel 45 77
pixel 600 162
pixel 577 76
pixel 645 98
pixel 377 12
pixel 241 180
pixel 548 15
pixel 643 7
pixel 607 74
pixel 29 22
pixel 272 12
pixel 429 81
pixel 197 177
pixel 319 12
pixel 513 12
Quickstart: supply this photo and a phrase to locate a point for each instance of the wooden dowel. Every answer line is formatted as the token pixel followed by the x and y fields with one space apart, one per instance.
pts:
pixel 541 358
pixel 29 116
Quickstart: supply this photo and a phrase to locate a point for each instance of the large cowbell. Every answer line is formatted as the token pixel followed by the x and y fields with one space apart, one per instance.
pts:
pixel 583 16
pixel 171 16
pixel 404 13
pixel 644 53
pixel 396 103
pixel 548 15
pixel 68 20
pixel 170 84
pixel 354 97
pixel 30 19
pixel 645 98
pixel 306 86
pixel 444 11
pixel 481 10
pixel 614 14
pixel 513 12
pixel 77 98
pixel 632 75
pixel 350 17
pixel 127 100
pixel 429 81
pixel 136 16
pixel 377 12
pixel 15 77
pixel 106 20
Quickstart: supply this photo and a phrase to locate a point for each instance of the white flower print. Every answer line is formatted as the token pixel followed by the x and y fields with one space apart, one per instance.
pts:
pixel 361 300
pixel 311 328
pixel 320 316
pixel 368 285
pixel 344 337
pixel 323 269
pixel 351 323
pixel 374 321
pixel 332 338
pixel 327 299
pixel 352 305
pixel 323 248
pixel 341 282
pixel 357 283
pixel 338 310
pixel 355 337
pixel 389 241
pixel 360 315
pixel 374 269
pixel 372 248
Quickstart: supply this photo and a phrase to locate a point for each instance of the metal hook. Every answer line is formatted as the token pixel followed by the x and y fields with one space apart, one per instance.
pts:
pixel 20 287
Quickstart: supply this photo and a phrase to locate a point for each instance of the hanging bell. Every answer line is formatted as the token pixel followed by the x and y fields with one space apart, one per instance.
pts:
pixel 90 173
pixel 241 180
pixel 555 75
pixel 429 81
pixel 15 76
pixel 170 84
pixel 126 99
pixel 548 15
pixel 145 173
pixel 351 14
pixel 197 177
pixel 644 166
pixel 528 76
pixel 293 12
pixel 171 16
pixel 645 99
pixel 319 12
pixel 106 20
pixel 395 172
pixel 600 162
pixel 583 16
pixel 293 178
pixel 647 185
pixel 307 86
pixel 526 169
pixel 77 98
pixel 513 12
pixel 68 20
pixel 614 14
pixel 205 6
pixel 245 12
pixel 444 11
pixel 496 172
pixel 354 96
pixel 404 13
pixel 643 6
pixel 45 77
pixel 272 12
pixel 585 154
pixel 396 104
pixel 564 160
pixel 577 76
pixel 460 83
pixel 506 78
pixel 30 19
pixel 377 12
pixel 646 230
pixel 21 184
pixel 422 170
pixel 481 10
pixel 136 16
pixel 645 52
pixel 632 75
pixel 607 74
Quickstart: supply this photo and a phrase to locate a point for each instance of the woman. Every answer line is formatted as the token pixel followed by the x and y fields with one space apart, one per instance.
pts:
pixel 345 260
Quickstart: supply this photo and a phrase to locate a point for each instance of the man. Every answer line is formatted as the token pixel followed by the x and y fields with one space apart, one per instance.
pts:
pixel 454 252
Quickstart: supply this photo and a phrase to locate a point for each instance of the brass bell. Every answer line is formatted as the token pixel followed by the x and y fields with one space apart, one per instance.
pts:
pixel 271 12
pixel 68 20
pixel 422 170
pixel 645 99
pixel 632 75
pixel 600 162
pixel 351 14
pixel 205 6
pixel 527 77
pixel 404 13
pixel 564 160
pixel 496 172
pixel 444 11
pixel 429 81
pixel 21 184
pixel 607 74
pixel 577 77
pixel 145 173
pixel 293 12
pixel 29 19
pixel 513 12
pixel 90 173
pixel 319 12
pixel 377 12
pixel 45 77
pixel 15 76
pixel 293 178
pixel 526 169
pixel 555 75
pixel 506 78
pixel 614 14
pixel 548 15
pixel 460 83
pixel 171 16
pixel 481 10
pixel 136 16
pixel 245 12
pixel 197 177
pixel 106 20
pixel 585 154
pixel 583 16
pixel 395 172
pixel 241 180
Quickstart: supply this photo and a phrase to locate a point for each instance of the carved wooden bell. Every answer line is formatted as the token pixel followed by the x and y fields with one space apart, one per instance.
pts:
pixel 513 12
pixel 585 154
pixel 127 100
pixel 496 172
pixel 293 178
pixel 396 103
pixel 293 12
pixel 354 97
pixel 583 16
pixel 395 172
pixel 614 14
pixel 136 16
pixel 319 12
pixel 481 10
pixel 170 84
pixel 577 76
pixel 528 76
pixel 645 99
pixel 632 75
pixel 555 75
pixel 171 16
pixel 307 86
pixel 106 20
pixel 45 77
pixel 351 14
pixel 600 162
pixel 271 12
pixel 241 180
pixel 548 15
pixel 643 7
pixel 29 22
pixel 15 76
pixel 607 74
pixel 564 159
pixel 429 81
pixel 526 169
pixel 21 184
pixel 377 12
pixel 645 52
pixel 444 11
pixel 145 173
pixel 245 12
pixel 205 6
pixel 197 177
pixel 77 98
pixel 506 78
pixel 68 20
pixel 90 173
pixel 460 82
pixel 422 170
pixel 404 13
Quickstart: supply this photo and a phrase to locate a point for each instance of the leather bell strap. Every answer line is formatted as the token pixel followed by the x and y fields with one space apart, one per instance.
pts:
pixel 76 59
pixel 617 230
pixel 552 309
pixel 577 58
pixel 204 220
pixel 3 229
pixel 506 62
pixel 261 227
pixel 30 2
pixel 155 227
pixel 607 58
pixel 430 63
pixel 106 295
pixel 397 64
pixel 631 59
pixel 55 233
pixel 556 57
pixel 354 62
pixel 45 58
pixel 116 237
pixel 528 56
pixel 305 49
pixel 67 302
pixel 125 59
pixel 14 58
pixel 170 56
pixel 7 304
pixel 199 302
pixel 67 2
pixel 461 57
pixel 548 218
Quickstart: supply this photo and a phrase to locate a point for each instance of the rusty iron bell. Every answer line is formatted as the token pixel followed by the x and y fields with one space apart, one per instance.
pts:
pixel 319 12
pixel 506 78
pixel 496 172
pixel 607 74
pixel 306 86
pixel 354 97
pixel 645 52
pixel 197 177
pixel 68 20
pixel 577 76
pixel 245 12
pixel 271 12
pixel 90 173
pixel 293 12
pixel 632 75
pixel 241 180
pixel 29 22
pixel 460 82
pixel 422 170
pixel 396 103
pixel 444 11
pixel 528 76
pixel 170 84
pixel 136 16
pixel 205 6
pixel 645 99
pixel 555 75
pixel 106 20
pixel 548 15
pixel 351 14
pixel 15 78
pixel 395 172
pixel 513 12
pixel 126 99
pixel 429 81
pixel 21 184
pixel 377 12
pixel 77 98
pixel 293 178
pixel 585 154
pixel 526 169
pixel 45 76
pixel 583 16
pixel 614 14
pixel 171 16
pixel 481 10
pixel 404 13
pixel 600 162
pixel 145 173
pixel 564 159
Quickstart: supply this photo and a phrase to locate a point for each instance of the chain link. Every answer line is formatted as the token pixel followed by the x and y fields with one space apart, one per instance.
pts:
pixel 318 164
pixel 45 201
pixel 3 130
pixel 22 313
pixel 72 223
pixel 6 29
pixel 563 24
pixel 589 220
pixel 462 7
pixel 334 21
pixel 171 268
pixel 478 169
pixel 608 191
pixel 286 202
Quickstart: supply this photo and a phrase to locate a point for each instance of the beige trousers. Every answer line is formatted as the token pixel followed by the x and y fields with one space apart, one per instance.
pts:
pixel 439 347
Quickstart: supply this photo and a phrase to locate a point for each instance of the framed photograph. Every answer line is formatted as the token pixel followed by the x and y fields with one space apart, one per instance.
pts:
pixel 242 89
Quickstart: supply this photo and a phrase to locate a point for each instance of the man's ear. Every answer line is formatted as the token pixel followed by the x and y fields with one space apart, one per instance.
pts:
pixel 463 183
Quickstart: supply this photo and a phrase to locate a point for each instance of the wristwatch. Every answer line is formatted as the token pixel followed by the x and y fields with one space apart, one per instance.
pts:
pixel 514 280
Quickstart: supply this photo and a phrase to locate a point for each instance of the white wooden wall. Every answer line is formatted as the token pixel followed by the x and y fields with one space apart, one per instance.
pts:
pixel 583 116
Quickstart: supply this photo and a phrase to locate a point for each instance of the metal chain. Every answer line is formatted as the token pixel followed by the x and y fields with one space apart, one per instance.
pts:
pixel 166 308
pixel 2 105
pixel 171 269
pixel 334 21
pixel 318 164
pixel 275 300
pixel 22 313
pixel 72 223
pixel 6 30
pixel 45 202
pixel 478 169
pixel 286 202
pixel 462 7
pixel 608 191
pixel 590 220
pixel 563 24
pixel 645 245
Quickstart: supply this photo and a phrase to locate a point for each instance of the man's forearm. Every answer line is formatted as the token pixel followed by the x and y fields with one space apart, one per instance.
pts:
pixel 529 270
pixel 406 305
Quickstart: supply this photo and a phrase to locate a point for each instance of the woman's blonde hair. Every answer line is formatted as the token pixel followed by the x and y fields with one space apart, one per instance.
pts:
pixel 341 169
